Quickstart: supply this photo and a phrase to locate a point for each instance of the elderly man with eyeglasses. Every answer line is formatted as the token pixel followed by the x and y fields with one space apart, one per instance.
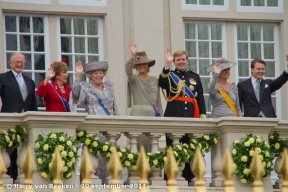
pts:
pixel 17 92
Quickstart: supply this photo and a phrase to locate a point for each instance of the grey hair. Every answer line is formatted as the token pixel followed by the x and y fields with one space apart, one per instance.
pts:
pixel 89 74
pixel 222 61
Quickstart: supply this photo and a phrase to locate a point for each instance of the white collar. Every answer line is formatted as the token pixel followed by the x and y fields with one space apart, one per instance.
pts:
pixel 253 79
pixel 15 74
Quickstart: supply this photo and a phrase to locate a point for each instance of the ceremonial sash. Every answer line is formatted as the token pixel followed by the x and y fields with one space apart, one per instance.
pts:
pixel 188 92
pixel 102 105
pixel 228 101
pixel 64 102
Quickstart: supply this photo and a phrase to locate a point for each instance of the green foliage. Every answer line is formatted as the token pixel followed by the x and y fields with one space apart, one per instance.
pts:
pixel 277 144
pixel 12 138
pixel 44 149
pixel 243 152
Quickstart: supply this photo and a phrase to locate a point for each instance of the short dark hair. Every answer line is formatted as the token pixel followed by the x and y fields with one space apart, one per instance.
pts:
pixel 257 61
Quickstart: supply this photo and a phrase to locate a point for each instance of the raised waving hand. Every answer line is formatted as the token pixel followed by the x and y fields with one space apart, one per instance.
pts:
pixel 133 48
pixel 168 57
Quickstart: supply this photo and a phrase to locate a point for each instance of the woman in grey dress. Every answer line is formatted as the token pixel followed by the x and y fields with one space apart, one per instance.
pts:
pixel 97 96
pixel 223 95
pixel 144 90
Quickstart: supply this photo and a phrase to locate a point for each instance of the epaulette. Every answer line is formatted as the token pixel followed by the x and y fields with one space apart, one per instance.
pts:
pixel 194 72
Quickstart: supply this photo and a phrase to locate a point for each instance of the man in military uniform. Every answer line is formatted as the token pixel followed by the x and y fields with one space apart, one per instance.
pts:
pixel 184 94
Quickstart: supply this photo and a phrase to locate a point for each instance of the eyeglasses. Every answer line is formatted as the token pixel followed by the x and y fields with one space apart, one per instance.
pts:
pixel 16 62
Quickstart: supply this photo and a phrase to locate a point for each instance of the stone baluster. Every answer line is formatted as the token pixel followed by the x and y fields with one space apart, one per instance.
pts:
pixel 279 182
pixel 180 180
pixel 6 160
pixel 21 153
pixel 132 176
pixel 216 165
pixel 156 178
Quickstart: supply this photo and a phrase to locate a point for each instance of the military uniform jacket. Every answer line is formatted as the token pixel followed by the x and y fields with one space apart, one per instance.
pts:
pixel 181 108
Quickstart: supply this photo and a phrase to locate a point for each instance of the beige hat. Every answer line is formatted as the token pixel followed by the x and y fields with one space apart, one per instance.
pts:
pixel 95 65
pixel 141 58
pixel 224 64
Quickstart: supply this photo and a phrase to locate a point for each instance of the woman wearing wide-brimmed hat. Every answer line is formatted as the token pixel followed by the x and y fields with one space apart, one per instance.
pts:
pixel 223 95
pixel 143 88
pixel 97 96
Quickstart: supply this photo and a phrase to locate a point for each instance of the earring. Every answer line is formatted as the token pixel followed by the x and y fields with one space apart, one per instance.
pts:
pixel 56 77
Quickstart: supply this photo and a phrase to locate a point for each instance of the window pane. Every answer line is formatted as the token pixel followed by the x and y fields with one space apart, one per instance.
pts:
pixel 216 32
pixel 11 42
pixel 25 42
pixel 40 101
pixel 242 31
pixel 243 68
pixel 66 45
pixel 79 27
pixel 242 50
pixel 204 2
pixel 255 32
pixel 216 50
pixel 207 103
pixel 80 58
pixel 189 31
pixel 191 1
pixel 8 55
pixel 255 50
pixel 24 24
pixel 93 58
pixel 28 74
pixel 245 2
pixel 203 32
pixel 65 26
pixel 274 103
pixel 39 62
pixel 39 44
pixel 270 69
pixel 92 27
pixel 69 61
pixel 38 78
pixel 268 51
pixel 190 49
pixel 93 45
pixel 203 48
pixel 79 44
pixel 38 25
pixel 205 81
pixel 268 33
pixel 10 24
pixel 203 65
pixel 259 3
pixel 192 65
pixel 218 2
pixel 272 3
pixel 28 65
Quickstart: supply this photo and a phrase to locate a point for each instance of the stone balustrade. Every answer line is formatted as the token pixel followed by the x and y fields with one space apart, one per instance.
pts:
pixel 228 129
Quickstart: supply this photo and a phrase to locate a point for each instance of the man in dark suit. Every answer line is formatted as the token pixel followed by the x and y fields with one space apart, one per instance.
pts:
pixel 255 92
pixel 184 94
pixel 17 92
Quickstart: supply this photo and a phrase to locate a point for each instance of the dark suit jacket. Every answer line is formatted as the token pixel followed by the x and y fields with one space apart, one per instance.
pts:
pixel 11 96
pixel 249 100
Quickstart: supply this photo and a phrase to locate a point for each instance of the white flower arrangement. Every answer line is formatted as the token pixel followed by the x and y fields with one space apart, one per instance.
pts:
pixel 44 149
pixel 242 154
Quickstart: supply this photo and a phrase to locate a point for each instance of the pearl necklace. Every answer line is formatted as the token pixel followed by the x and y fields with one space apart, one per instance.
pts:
pixel 61 87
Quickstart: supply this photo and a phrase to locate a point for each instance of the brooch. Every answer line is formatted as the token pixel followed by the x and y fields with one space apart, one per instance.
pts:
pixel 191 87
pixel 192 81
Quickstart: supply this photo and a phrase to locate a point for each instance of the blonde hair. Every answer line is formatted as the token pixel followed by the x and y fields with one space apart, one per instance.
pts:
pixel 89 74
pixel 179 53
pixel 58 67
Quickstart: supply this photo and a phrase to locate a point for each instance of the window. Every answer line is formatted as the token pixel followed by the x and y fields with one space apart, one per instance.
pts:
pixel 204 44
pixel 80 39
pixel 255 41
pixel 260 6
pixel 28 35
pixel 29 1
pixel 214 5
pixel 84 2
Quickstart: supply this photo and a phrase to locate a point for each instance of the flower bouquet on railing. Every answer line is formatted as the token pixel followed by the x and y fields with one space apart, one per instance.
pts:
pixel 277 144
pixel 205 143
pixel 242 154
pixel 12 138
pixel 44 149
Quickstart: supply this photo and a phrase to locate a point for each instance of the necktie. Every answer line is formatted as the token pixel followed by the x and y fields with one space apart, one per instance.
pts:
pixel 257 89
pixel 22 86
